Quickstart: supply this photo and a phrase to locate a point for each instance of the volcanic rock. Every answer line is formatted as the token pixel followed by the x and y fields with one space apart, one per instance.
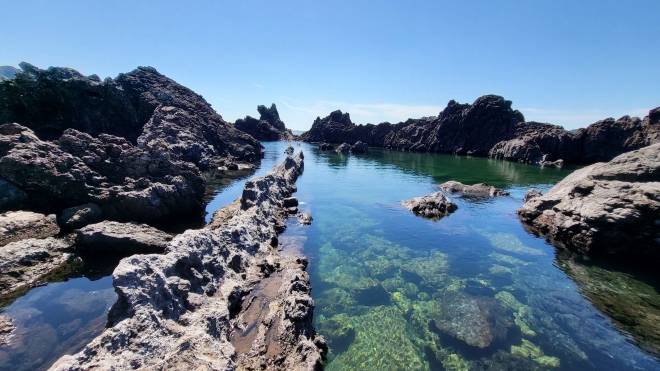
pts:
pixel 80 216
pixel 129 183
pixel 304 218
pixel 108 238
pixel 343 148
pixel 267 127
pixel 11 197
pixel 23 262
pixel 326 147
pixel 289 202
pixel 176 311
pixel 359 147
pixel 143 106
pixel 605 208
pixel 19 225
pixel 479 189
pixel 432 206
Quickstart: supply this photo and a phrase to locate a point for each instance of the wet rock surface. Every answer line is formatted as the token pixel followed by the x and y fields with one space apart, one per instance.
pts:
pixel 479 189
pixel 112 238
pixel 24 262
pixel 19 225
pixel 129 183
pixel 268 127
pixel 432 206
pixel 143 106
pixel 182 305
pixel 490 127
pixel 604 209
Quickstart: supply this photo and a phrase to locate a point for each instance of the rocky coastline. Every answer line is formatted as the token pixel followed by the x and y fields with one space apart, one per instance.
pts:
pixel 490 127
pixel 268 127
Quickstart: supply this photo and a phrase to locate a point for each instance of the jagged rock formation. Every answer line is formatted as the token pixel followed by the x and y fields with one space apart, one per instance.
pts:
pixel 112 238
pixel 128 182
pixel 606 208
pixel 177 311
pixel 490 127
pixel 267 127
pixel 144 107
pixel 479 189
pixel 8 72
pixel 432 206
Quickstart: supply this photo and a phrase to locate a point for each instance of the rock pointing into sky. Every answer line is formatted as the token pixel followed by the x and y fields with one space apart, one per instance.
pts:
pixel 177 311
pixel 144 107
pixel 603 209
pixel 491 127
pixel 267 127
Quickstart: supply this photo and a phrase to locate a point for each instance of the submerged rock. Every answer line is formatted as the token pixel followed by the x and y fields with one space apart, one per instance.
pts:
pixel 108 238
pixel 360 147
pixel 19 225
pixel 326 147
pixel 176 311
pixel 605 208
pixel 343 148
pixel 23 262
pixel 479 189
pixel 432 206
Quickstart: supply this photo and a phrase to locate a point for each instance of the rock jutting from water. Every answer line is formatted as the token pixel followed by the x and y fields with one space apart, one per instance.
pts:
pixel 604 209
pixel 269 126
pixel 432 206
pixel 479 189
pixel 144 107
pixel 490 127
pixel 177 311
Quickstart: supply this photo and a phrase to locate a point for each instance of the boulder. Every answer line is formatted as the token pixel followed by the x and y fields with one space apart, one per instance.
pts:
pixel 359 147
pixel 24 262
pixel 289 150
pixel 344 148
pixel 268 127
pixel 6 327
pixel 606 208
pixel 174 307
pixel 432 206
pixel 11 197
pixel 80 216
pixel 112 238
pixel 19 225
pixel 326 147
pixel 304 218
pixel 479 189
pixel 290 202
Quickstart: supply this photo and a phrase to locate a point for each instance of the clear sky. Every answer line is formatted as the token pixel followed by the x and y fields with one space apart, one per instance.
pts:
pixel 569 63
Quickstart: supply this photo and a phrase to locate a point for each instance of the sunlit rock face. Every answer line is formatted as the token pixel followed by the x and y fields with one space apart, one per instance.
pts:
pixel 604 209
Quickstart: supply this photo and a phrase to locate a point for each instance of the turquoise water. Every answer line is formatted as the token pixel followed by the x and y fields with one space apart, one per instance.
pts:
pixel 472 291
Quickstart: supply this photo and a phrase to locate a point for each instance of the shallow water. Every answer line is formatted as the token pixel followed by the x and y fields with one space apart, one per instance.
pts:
pixel 473 290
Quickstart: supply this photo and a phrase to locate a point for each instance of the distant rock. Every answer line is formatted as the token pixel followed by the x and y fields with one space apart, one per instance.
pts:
pixel 80 216
pixel 604 209
pixel 359 147
pixel 8 72
pixel 343 148
pixel 490 127
pixel 479 189
pixel 268 127
pixel 304 218
pixel 432 206
pixel 112 238
pixel 289 150
pixel 144 107
pixel 19 225
pixel 24 262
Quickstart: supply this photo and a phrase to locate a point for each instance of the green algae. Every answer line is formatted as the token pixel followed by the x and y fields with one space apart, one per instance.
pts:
pixel 509 242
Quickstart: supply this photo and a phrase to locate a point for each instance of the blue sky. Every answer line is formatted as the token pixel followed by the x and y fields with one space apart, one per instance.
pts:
pixel 569 63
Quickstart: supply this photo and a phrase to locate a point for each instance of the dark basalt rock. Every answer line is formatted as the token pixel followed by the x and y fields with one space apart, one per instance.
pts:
pixel 479 189
pixel 326 147
pixel 608 208
pixel 531 194
pixel 432 206
pixel 490 127
pixel 359 147
pixel 11 197
pixel 343 148
pixel 144 107
pixel 80 216
pixel 129 183
pixel 268 127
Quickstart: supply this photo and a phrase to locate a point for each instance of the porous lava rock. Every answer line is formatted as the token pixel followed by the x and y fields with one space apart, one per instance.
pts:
pixel 80 216
pixel 19 225
pixel 605 208
pixel 268 127
pixel 491 127
pixel 143 106
pixel 113 238
pixel 479 189
pixel 177 311
pixel 128 182
pixel 432 206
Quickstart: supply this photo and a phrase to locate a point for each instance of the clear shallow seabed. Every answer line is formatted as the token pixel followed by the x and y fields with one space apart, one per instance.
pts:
pixel 394 291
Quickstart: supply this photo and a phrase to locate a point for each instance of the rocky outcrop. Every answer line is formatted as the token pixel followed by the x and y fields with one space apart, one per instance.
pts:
pixel 24 262
pixel 112 238
pixel 144 107
pixel 19 225
pixel 177 311
pixel 479 189
pixel 605 208
pixel 490 127
pixel 432 206
pixel 128 182
pixel 359 147
pixel 343 148
pixel 11 197
pixel 268 127
pixel 80 216
pixel 326 147
pixel 8 72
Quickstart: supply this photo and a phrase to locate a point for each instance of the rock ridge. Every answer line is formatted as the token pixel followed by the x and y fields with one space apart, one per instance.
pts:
pixel 176 311
pixel 268 127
